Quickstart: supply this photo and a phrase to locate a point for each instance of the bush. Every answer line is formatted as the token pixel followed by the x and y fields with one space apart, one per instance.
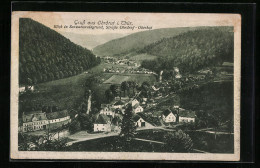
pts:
pixel 178 142
pixel 74 126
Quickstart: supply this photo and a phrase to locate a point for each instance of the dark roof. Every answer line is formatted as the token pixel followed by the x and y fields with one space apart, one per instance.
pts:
pixel 167 112
pixel 136 118
pixel 135 106
pixel 102 119
pixel 58 114
pixel 186 113
pixel 119 103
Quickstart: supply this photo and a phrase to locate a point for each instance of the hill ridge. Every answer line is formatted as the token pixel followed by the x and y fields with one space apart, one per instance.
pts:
pixel 137 41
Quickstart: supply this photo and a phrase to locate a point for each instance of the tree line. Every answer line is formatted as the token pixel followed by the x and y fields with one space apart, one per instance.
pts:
pixel 45 55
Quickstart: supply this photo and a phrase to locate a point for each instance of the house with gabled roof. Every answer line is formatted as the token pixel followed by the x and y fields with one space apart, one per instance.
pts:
pixel 137 108
pixel 186 115
pixel 109 111
pixel 168 116
pixel 140 122
pixel 134 102
pixel 102 124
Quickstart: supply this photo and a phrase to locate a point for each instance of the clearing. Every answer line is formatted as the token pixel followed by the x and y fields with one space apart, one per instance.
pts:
pixel 138 78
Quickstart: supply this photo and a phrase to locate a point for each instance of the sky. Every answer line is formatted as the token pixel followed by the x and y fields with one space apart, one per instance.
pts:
pixel 154 20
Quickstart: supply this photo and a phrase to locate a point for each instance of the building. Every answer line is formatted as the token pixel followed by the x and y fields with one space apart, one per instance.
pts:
pixel 228 64
pixel 140 122
pixel 58 119
pixel 22 89
pixel 138 109
pixel 155 89
pixel 119 104
pixel 186 115
pixel 39 120
pixel 107 111
pixel 134 102
pixel 102 124
pixel 168 116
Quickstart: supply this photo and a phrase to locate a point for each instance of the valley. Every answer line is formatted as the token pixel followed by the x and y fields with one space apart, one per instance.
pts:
pixel 164 90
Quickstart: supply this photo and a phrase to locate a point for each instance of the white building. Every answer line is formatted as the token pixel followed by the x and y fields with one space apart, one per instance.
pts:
pixel 140 122
pixel 168 116
pixel 107 111
pixel 22 89
pixel 39 120
pixel 186 115
pixel 102 124
pixel 138 109
pixel 134 102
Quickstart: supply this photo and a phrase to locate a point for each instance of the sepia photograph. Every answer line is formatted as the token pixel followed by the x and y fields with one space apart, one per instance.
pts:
pixel 125 86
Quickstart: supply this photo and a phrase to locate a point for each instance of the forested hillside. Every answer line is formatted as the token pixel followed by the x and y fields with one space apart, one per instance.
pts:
pixel 45 55
pixel 192 50
pixel 136 41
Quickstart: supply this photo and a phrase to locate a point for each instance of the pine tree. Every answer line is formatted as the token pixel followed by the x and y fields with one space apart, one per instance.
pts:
pixel 128 126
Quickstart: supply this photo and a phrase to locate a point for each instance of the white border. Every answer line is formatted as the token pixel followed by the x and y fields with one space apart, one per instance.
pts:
pixel 15 154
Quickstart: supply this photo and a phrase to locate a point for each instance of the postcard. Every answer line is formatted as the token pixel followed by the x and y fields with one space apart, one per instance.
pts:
pixel 125 86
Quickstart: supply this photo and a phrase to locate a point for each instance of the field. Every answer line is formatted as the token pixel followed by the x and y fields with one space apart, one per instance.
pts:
pixel 68 92
pixel 138 78
pixel 64 92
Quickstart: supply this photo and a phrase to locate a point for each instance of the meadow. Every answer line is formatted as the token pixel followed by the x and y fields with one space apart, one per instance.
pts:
pixel 68 92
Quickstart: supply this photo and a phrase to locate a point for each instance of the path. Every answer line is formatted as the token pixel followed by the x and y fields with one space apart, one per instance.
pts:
pixel 158 142
pixel 151 141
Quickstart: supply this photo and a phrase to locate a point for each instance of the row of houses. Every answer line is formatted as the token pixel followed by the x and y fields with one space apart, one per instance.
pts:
pixel 105 123
pixel 131 71
pixel 38 120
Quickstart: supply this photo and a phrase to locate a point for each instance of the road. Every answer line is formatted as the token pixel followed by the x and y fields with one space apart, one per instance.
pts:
pixel 158 142
pixel 84 136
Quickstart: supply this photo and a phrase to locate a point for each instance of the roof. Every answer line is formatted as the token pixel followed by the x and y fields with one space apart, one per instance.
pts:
pixel 119 102
pixel 227 64
pixel 137 106
pixel 186 113
pixel 102 119
pixel 38 115
pixel 58 114
pixel 136 118
pixel 167 112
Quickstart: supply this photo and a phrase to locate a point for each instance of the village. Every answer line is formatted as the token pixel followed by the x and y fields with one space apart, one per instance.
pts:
pixel 146 101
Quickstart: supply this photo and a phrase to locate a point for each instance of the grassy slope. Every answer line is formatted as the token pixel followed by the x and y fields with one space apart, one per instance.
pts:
pixel 67 92
pixel 137 41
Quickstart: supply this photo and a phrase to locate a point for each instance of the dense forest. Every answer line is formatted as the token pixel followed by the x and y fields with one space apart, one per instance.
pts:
pixel 132 43
pixel 45 55
pixel 192 50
